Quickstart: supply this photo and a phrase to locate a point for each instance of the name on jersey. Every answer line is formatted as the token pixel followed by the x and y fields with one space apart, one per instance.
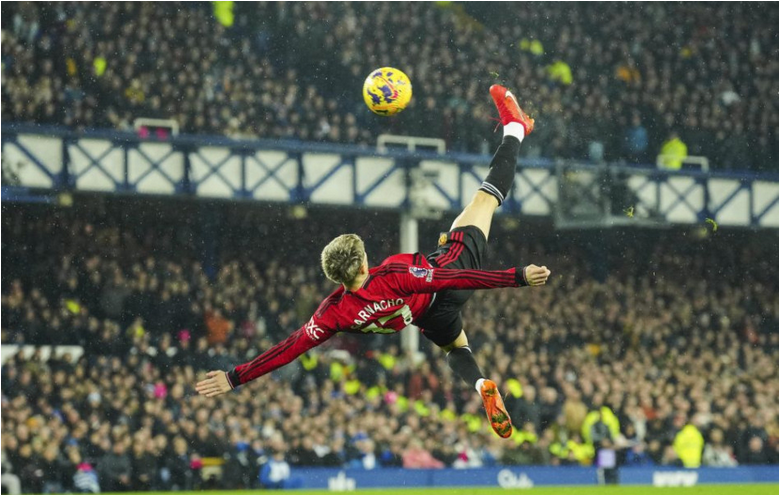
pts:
pixel 367 312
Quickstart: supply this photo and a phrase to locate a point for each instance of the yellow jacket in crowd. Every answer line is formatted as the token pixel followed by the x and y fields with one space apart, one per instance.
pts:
pixel 688 444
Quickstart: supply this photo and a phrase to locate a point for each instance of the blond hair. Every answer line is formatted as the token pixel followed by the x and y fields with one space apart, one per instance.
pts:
pixel 342 258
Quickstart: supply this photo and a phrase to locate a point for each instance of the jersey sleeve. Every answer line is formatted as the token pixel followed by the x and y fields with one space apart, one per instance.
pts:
pixel 412 279
pixel 306 337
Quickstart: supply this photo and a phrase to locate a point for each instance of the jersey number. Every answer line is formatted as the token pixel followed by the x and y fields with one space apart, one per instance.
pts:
pixel 377 326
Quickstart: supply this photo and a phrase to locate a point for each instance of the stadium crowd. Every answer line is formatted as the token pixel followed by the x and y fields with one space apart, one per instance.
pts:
pixel 661 365
pixel 615 83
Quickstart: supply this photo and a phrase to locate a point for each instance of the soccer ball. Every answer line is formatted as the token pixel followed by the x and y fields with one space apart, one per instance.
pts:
pixel 387 91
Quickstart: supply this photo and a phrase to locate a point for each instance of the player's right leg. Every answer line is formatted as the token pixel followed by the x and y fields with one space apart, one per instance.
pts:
pixel 462 362
pixel 495 188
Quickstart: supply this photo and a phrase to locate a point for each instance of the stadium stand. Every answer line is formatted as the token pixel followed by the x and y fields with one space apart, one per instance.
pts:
pixel 605 84
pixel 647 360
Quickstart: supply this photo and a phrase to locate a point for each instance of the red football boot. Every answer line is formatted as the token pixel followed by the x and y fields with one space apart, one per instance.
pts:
pixel 508 108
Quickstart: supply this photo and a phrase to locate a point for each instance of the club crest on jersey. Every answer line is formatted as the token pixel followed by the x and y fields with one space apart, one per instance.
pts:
pixel 421 272
pixel 443 238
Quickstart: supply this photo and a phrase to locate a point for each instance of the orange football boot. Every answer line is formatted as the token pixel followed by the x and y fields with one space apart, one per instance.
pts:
pixel 496 410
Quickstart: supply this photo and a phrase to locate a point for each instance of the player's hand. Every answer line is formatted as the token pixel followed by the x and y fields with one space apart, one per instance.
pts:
pixel 215 384
pixel 535 275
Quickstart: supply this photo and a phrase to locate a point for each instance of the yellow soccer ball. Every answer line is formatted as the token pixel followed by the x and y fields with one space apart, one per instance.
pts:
pixel 387 91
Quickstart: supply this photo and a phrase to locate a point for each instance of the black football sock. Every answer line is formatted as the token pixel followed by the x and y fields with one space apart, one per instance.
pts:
pixel 502 169
pixel 462 362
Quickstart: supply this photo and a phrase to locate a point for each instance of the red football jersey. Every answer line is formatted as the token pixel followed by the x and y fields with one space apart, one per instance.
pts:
pixel 395 294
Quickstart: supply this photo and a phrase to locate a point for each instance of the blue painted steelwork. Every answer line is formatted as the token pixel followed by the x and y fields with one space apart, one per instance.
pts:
pixel 214 166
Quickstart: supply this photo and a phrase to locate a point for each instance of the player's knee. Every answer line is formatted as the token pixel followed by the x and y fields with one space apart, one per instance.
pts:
pixel 460 342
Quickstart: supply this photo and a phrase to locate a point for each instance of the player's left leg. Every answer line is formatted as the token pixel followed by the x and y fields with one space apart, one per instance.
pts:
pixel 496 186
pixel 443 326
pixel 463 363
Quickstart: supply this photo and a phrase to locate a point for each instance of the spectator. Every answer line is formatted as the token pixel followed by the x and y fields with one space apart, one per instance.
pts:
pixel 673 152
pixel 114 469
pixel 365 457
pixel 10 481
pixel 527 453
pixel 30 470
pixel 717 453
pixel 575 411
pixel 606 461
pixel 218 327
pixel 418 457
pixel 304 455
pixel 755 453
pixel 636 140
pixel 688 444
pixel 637 457
pixel 527 409
pixel 178 466
pixel 336 455
pixel 143 465
pixel 560 72
pixel 85 480
pixel 276 473
pixel 54 469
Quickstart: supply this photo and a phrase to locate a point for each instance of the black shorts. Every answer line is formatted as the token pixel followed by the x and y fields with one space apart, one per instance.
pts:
pixel 461 248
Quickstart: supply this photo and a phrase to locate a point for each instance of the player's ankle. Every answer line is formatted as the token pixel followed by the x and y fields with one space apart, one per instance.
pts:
pixel 515 129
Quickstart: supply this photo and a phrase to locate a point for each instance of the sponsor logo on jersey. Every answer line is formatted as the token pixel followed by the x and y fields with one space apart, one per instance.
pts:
pixel 313 331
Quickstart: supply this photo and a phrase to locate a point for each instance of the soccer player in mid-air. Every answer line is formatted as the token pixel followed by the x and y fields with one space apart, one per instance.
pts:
pixel 428 291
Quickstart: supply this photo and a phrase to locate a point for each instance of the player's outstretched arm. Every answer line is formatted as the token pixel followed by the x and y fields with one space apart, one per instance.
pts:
pixel 429 280
pixel 218 382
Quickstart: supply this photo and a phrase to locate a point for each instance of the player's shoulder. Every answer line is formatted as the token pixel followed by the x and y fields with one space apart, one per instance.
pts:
pixel 330 302
pixel 397 266
pixel 401 260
